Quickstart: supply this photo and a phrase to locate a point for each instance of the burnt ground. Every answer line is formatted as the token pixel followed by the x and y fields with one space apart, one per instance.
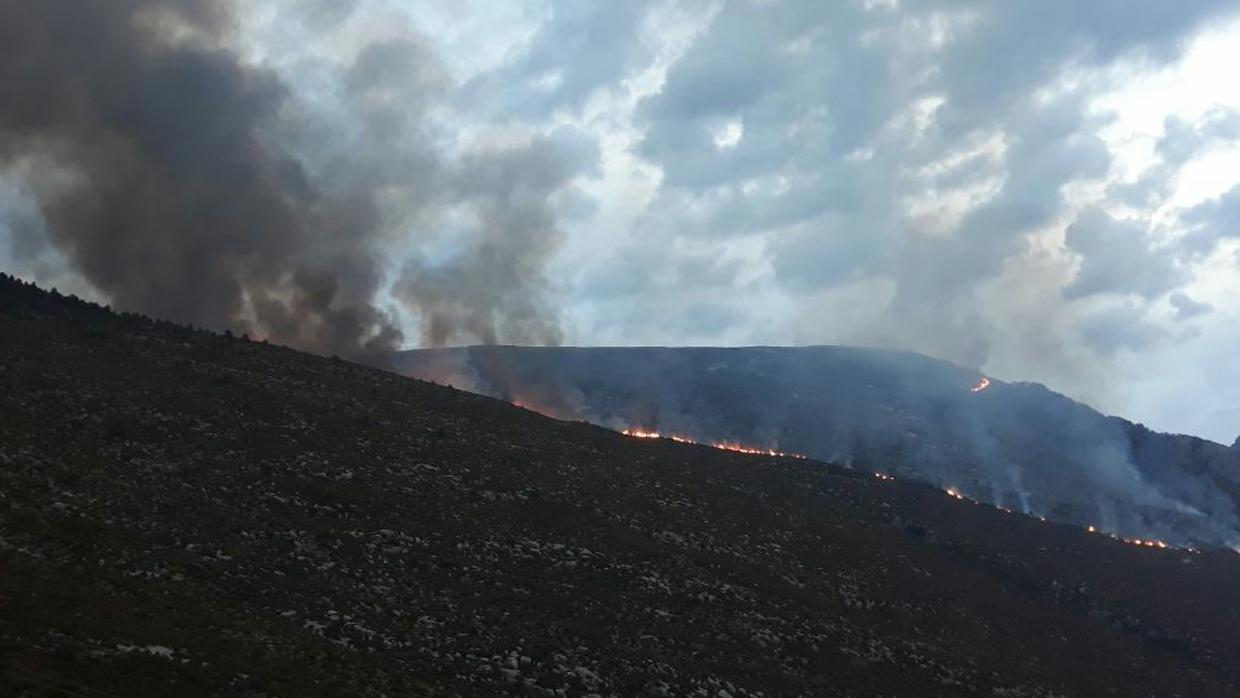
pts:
pixel 187 514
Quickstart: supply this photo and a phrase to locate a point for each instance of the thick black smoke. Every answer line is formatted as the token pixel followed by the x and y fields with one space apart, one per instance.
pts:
pixel 168 173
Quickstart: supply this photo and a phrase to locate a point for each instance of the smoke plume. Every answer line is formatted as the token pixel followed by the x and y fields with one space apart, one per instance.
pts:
pixel 182 180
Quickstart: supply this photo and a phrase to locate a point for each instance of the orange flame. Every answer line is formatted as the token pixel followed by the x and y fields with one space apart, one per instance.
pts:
pixel 950 491
pixel 982 385
pixel 721 445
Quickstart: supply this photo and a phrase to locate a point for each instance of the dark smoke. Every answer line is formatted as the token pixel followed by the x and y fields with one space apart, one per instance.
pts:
pixel 509 191
pixel 182 182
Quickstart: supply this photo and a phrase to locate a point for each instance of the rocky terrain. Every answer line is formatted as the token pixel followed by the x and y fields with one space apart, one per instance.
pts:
pixel 1015 445
pixel 184 513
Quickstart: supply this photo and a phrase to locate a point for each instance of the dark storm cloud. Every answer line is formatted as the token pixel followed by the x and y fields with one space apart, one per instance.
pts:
pixel 183 182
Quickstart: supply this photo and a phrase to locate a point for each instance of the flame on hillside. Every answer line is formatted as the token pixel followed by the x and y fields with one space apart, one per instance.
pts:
pixel 953 492
pixel 1143 542
pixel 721 445
pixel 981 385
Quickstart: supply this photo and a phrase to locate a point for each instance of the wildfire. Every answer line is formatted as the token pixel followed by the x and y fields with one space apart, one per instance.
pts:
pixel 1146 543
pixel 950 491
pixel 953 492
pixel 1143 542
pixel 982 385
pixel 639 434
pixel 721 445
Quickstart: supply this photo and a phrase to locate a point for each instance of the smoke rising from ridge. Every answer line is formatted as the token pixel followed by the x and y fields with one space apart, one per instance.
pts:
pixel 1017 446
pixel 182 181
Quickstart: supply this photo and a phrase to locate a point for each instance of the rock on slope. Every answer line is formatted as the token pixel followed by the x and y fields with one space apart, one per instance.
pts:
pixel 187 514
pixel 1019 446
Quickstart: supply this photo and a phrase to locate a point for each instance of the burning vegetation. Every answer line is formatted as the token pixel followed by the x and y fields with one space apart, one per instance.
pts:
pixel 952 492
pixel 955 493
pixel 916 418
pixel 721 445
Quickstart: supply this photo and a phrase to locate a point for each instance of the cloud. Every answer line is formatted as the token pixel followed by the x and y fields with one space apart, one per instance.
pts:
pixel 582 47
pixel 1120 327
pixel 849 114
pixel 1186 308
pixel 1182 141
pixel 1212 221
pixel 1117 257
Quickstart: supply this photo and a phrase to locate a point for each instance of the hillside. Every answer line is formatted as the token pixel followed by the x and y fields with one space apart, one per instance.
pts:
pixel 188 514
pixel 1014 445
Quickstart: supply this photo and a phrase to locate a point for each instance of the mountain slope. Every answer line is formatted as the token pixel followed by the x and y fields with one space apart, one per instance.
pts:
pixel 1018 446
pixel 182 513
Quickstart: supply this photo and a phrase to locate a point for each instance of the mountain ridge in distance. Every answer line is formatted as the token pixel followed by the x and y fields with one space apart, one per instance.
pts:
pixel 1015 445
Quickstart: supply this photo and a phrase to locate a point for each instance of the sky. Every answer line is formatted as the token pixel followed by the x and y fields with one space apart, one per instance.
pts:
pixel 1044 190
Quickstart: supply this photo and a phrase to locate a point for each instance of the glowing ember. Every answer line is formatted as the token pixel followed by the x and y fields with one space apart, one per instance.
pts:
pixel 951 491
pixel 721 445
pixel 883 476
pixel 982 385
